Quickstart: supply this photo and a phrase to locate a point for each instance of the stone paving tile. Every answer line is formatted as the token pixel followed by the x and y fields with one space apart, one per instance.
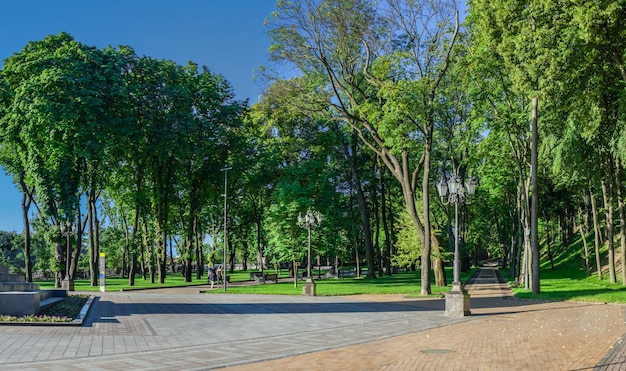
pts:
pixel 181 329
pixel 507 335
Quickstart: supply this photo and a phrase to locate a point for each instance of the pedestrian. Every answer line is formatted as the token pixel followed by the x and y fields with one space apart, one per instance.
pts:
pixel 219 274
pixel 212 275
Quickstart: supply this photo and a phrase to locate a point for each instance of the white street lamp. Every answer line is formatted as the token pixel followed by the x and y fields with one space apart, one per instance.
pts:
pixel 457 300
pixel 309 221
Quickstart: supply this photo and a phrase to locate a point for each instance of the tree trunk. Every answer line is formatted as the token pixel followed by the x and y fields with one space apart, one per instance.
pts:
pixel 198 248
pixel 583 237
pixel 232 254
pixel 408 194
pixel 244 254
pixel 172 263
pixel 26 202
pixel 622 217
pixel 502 240
pixel 596 230
pixel 376 211
pixel 364 213
pixel 161 260
pixel 438 270
pixel 294 265
pixel 607 195
pixel 93 253
pixel 133 249
pixel 549 241
pixel 387 255
pixel 259 245
pixel 188 261
pixel 144 268
pixel 148 247
pixel 125 248
pixel 526 260
pixel 75 252
pixel 534 216
pixel 426 242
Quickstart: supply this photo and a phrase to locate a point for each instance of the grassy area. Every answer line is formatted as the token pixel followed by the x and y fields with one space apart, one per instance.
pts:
pixel 554 286
pixel 118 283
pixel 407 283
pixel 569 281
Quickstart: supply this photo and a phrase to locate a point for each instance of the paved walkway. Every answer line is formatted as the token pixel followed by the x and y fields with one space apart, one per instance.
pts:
pixel 182 329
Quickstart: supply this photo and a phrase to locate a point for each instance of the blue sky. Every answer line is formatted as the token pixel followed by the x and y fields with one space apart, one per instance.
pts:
pixel 227 36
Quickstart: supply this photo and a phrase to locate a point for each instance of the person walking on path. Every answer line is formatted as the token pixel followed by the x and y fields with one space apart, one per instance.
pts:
pixel 212 275
pixel 219 274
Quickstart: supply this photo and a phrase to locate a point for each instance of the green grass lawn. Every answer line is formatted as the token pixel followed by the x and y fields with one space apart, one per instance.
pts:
pixel 407 283
pixel 569 281
pixel 563 284
pixel 117 283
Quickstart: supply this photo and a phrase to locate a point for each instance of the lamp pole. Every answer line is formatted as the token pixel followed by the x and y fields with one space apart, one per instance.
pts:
pixel 225 170
pixel 457 300
pixel 309 222
pixel 68 231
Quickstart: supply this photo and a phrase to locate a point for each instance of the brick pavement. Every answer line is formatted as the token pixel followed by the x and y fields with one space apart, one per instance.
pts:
pixel 182 329
pixel 504 334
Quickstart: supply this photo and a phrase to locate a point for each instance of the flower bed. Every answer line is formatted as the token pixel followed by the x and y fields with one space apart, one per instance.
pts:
pixel 64 311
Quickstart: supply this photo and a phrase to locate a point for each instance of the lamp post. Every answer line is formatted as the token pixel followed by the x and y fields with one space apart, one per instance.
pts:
pixel 457 300
pixel 309 222
pixel 67 231
pixel 225 170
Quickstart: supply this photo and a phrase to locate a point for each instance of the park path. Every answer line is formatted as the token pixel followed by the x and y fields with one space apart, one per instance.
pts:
pixel 502 334
pixel 183 329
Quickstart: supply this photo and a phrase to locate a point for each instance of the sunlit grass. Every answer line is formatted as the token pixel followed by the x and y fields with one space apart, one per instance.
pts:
pixel 556 285
pixel 406 283
pixel 119 283
pixel 569 281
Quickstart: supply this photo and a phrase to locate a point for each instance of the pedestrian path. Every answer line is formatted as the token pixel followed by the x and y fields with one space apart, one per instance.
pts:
pixel 502 334
pixel 186 330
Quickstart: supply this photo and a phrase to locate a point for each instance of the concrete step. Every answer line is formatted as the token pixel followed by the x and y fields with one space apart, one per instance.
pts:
pixel 48 302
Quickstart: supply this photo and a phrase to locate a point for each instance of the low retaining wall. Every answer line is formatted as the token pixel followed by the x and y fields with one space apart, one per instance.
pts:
pixel 18 286
pixel 26 303
pixel 20 298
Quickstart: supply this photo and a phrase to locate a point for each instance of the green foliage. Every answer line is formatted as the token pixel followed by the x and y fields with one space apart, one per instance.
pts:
pixel 408 242
pixel 78 121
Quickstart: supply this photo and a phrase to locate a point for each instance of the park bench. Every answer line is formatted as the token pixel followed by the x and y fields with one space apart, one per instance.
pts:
pixel 254 276
pixel 263 277
pixel 271 277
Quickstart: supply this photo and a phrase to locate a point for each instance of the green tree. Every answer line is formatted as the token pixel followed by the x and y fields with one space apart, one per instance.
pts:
pixel 337 46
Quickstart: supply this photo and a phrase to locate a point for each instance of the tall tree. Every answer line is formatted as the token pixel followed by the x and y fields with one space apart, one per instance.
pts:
pixel 340 48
